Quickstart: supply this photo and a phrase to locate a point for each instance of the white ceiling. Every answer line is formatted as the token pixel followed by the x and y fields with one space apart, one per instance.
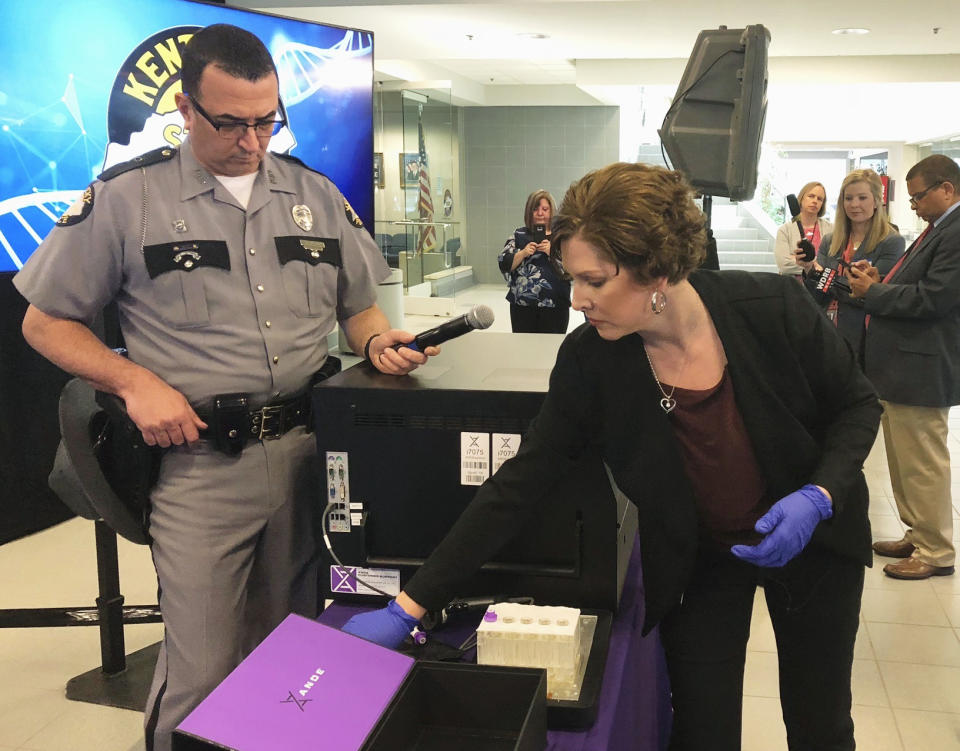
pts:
pixel 602 50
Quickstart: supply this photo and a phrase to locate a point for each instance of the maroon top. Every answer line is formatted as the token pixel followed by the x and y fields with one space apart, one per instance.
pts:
pixel 729 489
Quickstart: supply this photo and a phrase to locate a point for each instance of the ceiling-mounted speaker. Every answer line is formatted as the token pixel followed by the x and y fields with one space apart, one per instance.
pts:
pixel 714 126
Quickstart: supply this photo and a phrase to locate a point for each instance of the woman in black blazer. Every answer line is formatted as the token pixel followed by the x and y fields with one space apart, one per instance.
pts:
pixel 733 415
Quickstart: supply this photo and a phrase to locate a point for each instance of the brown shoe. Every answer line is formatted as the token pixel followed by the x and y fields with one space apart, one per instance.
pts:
pixel 894 548
pixel 914 568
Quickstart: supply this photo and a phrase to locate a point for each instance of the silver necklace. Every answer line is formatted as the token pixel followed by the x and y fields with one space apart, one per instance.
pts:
pixel 668 402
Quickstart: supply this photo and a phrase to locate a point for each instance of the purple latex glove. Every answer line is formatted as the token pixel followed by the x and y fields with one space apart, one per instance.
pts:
pixel 788 527
pixel 387 627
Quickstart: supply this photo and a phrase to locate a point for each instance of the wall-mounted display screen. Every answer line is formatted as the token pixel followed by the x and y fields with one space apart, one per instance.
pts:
pixel 84 86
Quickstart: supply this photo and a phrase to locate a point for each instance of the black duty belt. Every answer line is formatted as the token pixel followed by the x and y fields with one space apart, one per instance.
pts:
pixel 232 423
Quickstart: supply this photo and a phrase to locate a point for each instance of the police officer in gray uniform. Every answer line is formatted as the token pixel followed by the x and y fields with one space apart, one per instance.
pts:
pixel 229 267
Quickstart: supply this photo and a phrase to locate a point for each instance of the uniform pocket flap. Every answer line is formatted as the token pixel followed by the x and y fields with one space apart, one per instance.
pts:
pixel 186 255
pixel 312 250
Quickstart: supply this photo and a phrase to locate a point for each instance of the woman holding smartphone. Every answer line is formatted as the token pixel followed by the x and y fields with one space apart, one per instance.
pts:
pixel 538 292
pixel 862 236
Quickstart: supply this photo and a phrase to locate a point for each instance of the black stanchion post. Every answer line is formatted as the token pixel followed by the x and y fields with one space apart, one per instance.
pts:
pixel 109 601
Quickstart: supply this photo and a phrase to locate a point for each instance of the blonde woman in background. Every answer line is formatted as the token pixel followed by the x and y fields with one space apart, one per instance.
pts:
pixel 813 202
pixel 862 236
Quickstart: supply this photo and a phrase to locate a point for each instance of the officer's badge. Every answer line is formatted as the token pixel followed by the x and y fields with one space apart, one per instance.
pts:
pixel 179 225
pixel 351 214
pixel 79 210
pixel 303 217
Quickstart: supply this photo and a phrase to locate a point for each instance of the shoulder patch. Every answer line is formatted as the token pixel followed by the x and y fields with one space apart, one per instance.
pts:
pixel 79 211
pixel 144 160
pixel 351 214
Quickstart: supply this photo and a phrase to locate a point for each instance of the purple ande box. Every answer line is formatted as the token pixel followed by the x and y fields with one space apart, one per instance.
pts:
pixel 305 686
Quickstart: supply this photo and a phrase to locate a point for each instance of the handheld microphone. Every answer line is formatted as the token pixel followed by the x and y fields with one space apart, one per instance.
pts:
pixel 809 252
pixel 793 205
pixel 478 317
pixel 828 280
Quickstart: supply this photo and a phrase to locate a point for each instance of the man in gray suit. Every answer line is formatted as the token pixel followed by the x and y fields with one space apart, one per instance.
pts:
pixel 912 356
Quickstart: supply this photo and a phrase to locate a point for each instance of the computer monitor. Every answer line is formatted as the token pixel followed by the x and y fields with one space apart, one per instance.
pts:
pixel 400 454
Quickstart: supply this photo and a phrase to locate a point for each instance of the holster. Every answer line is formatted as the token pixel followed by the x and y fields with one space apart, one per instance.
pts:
pixel 130 466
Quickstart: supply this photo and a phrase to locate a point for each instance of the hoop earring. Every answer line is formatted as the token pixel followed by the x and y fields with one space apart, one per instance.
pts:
pixel 658 301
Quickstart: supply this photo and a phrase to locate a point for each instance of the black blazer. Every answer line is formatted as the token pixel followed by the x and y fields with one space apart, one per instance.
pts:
pixel 912 346
pixel 811 415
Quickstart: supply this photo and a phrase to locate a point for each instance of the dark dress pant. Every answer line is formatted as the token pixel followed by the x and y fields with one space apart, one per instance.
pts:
pixel 531 319
pixel 814 606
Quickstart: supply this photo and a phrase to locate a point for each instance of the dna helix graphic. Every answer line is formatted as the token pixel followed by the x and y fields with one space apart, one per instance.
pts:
pixel 25 220
pixel 303 70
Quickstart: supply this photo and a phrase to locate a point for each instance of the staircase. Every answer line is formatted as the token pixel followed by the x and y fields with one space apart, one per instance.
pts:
pixel 742 242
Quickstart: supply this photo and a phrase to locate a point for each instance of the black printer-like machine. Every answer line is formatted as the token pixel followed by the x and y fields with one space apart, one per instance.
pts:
pixel 404 456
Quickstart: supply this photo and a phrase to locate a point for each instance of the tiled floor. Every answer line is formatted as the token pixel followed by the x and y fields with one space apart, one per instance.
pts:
pixel 906 681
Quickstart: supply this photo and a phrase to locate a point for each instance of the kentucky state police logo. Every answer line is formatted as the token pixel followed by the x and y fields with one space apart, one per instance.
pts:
pixel 142 113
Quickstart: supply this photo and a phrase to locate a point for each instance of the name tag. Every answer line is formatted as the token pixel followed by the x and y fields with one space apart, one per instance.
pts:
pixel 312 250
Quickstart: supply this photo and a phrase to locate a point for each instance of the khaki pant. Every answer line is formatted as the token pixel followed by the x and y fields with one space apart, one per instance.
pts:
pixel 919 461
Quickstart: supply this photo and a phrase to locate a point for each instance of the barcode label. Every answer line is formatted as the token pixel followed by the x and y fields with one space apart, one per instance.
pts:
pixel 505 446
pixel 474 458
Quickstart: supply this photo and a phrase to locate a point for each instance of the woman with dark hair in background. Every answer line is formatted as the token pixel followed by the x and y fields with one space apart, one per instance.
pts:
pixel 731 413
pixel 862 236
pixel 539 293
pixel 813 202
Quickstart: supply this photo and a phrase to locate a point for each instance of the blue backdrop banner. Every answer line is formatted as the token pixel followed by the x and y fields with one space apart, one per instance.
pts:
pixel 84 86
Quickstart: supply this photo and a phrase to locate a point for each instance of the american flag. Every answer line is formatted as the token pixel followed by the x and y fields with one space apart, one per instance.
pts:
pixel 427 237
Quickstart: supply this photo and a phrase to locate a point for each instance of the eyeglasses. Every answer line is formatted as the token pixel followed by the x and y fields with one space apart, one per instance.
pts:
pixel 915 199
pixel 233 129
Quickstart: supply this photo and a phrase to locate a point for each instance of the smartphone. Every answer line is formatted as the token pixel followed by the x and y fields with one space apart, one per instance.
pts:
pixel 539 233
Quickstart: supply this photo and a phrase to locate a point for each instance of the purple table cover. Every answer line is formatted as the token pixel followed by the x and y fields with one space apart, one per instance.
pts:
pixel 634 709
pixel 305 686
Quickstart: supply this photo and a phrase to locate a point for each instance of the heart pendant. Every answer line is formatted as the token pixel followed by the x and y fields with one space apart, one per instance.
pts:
pixel 668 403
